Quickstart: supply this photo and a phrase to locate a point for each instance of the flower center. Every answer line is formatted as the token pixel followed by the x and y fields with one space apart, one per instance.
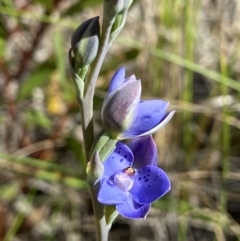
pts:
pixel 125 178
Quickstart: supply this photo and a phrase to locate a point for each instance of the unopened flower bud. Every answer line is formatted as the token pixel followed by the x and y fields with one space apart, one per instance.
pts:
pixel 126 5
pixel 94 169
pixel 113 7
pixel 119 18
pixel 85 41
pixel 120 105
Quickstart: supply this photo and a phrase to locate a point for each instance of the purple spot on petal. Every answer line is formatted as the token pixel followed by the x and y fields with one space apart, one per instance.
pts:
pixel 149 186
pixel 121 160
pixel 146 180
pixel 139 178
pixel 125 156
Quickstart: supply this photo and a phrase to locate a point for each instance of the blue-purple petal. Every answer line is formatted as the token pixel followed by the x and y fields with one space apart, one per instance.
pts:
pixel 132 209
pixel 150 183
pixel 149 114
pixel 160 125
pixel 109 193
pixel 117 80
pixel 144 151
pixel 119 159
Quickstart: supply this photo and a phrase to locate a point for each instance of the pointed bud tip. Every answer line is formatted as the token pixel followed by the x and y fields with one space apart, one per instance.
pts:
pixel 85 41
pixel 79 31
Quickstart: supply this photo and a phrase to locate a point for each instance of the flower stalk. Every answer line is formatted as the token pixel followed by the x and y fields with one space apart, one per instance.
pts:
pixel 87 51
pixel 124 116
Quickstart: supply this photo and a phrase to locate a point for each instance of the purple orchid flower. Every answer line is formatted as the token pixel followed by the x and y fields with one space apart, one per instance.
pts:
pixel 131 178
pixel 127 116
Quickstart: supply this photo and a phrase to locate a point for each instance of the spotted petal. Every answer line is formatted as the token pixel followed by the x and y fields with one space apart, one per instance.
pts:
pixel 132 209
pixel 150 113
pixel 109 193
pixel 150 183
pixel 144 150
pixel 120 159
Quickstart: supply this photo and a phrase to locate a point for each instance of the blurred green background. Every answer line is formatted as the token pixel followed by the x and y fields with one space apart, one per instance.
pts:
pixel 184 51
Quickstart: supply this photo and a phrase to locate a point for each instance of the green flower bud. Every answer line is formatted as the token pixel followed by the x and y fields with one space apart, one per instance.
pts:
pixel 119 20
pixel 94 169
pixel 85 42
pixel 113 7
pixel 78 82
pixel 126 5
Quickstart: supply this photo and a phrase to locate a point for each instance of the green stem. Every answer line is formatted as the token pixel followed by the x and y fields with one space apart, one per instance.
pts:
pixel 86 109
pixel 102 228
pixel 87 102
pixel 86 105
